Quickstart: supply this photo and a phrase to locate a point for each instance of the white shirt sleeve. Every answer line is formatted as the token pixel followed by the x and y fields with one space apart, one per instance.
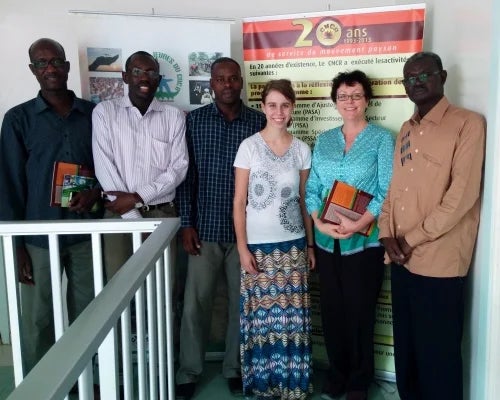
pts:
pixel 243 156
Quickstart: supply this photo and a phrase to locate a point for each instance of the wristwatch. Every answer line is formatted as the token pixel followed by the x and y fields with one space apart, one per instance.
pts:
pixel 139 205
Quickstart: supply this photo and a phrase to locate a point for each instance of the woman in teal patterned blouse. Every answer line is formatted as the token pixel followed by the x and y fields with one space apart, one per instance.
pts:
pixel 350 265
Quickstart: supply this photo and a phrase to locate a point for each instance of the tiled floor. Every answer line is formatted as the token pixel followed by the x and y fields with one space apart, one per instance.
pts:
pixel 6 372
pixel 212 386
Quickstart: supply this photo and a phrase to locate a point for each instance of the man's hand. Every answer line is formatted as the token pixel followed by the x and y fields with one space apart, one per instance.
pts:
pixel 24 268
pixel 191 241
pixel 84 201
pixel 123 202
pixel 405 247
pixel 394 250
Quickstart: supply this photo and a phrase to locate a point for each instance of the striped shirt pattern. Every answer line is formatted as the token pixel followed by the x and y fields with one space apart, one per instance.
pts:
pixel 146 153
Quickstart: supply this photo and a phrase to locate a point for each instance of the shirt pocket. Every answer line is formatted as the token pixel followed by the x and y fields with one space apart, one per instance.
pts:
pixel 431 160
pixel 160 156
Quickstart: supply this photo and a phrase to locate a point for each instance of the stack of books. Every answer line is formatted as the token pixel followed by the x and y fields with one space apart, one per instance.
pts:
pixel 67 179
pixel 349 201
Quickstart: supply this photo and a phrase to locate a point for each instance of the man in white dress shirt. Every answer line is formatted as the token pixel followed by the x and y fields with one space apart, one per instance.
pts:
pixel 140 154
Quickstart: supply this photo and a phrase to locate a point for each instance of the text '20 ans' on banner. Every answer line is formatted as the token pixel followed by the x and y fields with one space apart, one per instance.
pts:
pixel 310 49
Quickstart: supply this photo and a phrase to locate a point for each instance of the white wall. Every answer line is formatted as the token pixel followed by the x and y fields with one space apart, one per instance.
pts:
pixel 4 322
pixel 460 31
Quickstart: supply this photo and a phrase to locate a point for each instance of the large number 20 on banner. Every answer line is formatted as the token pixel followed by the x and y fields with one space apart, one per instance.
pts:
pixel 310 49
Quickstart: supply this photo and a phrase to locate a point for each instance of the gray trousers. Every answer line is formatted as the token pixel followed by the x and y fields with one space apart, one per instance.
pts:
pixel 37 312
pixel 201 283
pixel 117 247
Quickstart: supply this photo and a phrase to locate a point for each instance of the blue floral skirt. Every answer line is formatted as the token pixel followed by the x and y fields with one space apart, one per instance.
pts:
pixel 275 323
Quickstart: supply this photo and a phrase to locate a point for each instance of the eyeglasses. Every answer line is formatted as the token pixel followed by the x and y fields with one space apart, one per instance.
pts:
pixel 422 78
pixel 354 96
pixel 138 72
pixel 55 62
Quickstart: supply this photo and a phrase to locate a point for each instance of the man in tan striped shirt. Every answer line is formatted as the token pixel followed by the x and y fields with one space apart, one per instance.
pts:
pixel 428 226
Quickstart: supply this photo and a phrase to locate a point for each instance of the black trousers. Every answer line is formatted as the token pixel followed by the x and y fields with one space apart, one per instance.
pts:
pixel 428 316
pixel 349 287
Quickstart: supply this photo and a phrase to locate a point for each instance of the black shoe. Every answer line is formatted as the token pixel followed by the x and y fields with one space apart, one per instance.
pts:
pixel 331 396
pixel 235 386
pixel 332 392
pixel 357 395
pixel 96 390
pixel 74 389
pixel 185 391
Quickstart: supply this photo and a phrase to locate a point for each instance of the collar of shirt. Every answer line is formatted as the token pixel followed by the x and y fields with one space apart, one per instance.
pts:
pixel 41 105
pixel 243 114
pixel 155 105
pixel 435 115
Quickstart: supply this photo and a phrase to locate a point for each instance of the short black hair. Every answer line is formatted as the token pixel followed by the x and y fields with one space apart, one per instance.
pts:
pixel 46 40
pixel 140 53
pixel 426 54
pixel 350 79
pixel 223 60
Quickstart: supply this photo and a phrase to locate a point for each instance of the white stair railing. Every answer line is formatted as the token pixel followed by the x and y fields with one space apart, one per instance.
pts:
pixel 146 277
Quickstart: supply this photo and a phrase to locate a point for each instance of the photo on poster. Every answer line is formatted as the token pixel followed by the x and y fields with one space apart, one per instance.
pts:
pixel 200 92
pixel 103 59
pixel 105 88
pixel 200 62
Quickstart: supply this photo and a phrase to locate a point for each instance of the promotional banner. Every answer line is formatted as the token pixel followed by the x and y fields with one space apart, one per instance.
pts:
pixel 310 49
pixel 106 41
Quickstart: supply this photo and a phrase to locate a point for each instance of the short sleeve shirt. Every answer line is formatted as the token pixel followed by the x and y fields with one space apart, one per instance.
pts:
pixel 273 211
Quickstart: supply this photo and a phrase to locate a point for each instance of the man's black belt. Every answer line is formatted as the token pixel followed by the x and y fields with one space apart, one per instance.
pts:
pixel 150 207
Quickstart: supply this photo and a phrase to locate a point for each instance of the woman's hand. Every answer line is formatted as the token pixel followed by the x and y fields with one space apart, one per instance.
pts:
pixel 247 261
pixel 311 258
pixel 346 227
pixel 336 231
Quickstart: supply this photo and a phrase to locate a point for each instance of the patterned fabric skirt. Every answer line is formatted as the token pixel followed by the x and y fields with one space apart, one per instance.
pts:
pixel 275 323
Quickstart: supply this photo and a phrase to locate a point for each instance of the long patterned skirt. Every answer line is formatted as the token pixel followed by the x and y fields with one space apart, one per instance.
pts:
pixel 275 323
